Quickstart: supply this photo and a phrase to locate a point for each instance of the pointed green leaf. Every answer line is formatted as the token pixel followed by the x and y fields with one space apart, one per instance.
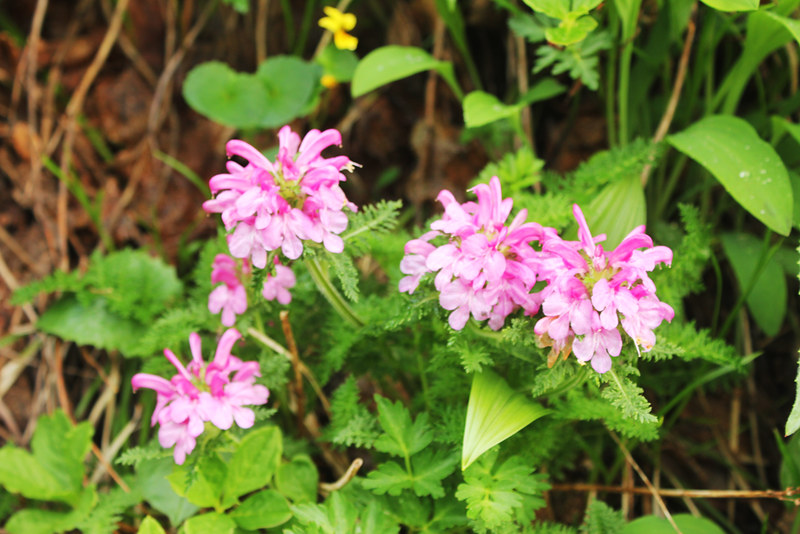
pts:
pixel 732 5
pixel 767 300
pixel 265 509
pixel 617 209
pixel 391 63
pixel 793 422
pixel 150 526
pixel 495 412
pixel 688 524
pixel 483 108
pixel 401 437
pixel 207 523
pixel 748 167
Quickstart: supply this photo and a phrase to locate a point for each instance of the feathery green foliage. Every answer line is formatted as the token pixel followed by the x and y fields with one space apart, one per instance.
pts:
pixel 351 424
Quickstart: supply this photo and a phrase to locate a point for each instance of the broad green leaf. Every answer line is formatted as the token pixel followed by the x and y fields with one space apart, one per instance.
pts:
pixel 767 300
pixel 558 9
pixel 93 324
pixel 401 437
pixel 482 108
pixel 793 422
pixel 341 64
pixel 150 526
pixel 275 94
pixel 21 473
pixel 60 447
pixel 688 524
pixel 207 523
pixel 289 83
pixel 298 479
pixel 35 521
pixel 748 167
pixel 203 483
pixel 495 412
pixel 151 477
pixel 616 210
pixel 377 519
pixel 391 63
pixel 542 90
pixel 252 465
pixel 342 513
pixel 629 15
pixel 573 29
pixel 764 35
pixel 793 25
pixel 224 95
pixel 265 509
pixel 732 5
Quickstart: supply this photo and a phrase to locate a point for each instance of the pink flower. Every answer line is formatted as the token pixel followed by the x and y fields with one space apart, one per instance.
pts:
pixel 591 293
pixel 201 393
pixel 277 286
pixel 485 268
pixel 271 206
pixel 231 296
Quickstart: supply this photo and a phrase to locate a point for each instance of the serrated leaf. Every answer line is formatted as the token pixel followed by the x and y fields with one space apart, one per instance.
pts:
pixel 748 167
pixel 602 519
pixel 252 465
pixel 202 482
pixel 430 468
pixel 628 398
pixel 298 479
pixel 688 524
pixel 495 413
pixel 60 447
pixel 92 324
pixel 35 521
pixel 265 509
pixel 209 522
pixel 375 518
pixel 391 63
pixel 389 477
pixel 767 300
pixel 151 477
pixel 401 437
pixel 571 30
pixel 21 473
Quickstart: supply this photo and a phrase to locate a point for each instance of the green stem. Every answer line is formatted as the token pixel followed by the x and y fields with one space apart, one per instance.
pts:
pixel 320 276
pixel 624 86
pixel 611 75
pixel 423 378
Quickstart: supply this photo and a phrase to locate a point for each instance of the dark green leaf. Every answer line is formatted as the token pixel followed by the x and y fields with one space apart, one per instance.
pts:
pixel 298 479
pixel 252 465
pixel 401 437
pixel 265 509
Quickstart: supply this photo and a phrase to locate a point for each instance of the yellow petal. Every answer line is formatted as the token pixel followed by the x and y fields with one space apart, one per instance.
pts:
pixel 344 41
pixel 328 81
pixel 329 24
pixel 348 21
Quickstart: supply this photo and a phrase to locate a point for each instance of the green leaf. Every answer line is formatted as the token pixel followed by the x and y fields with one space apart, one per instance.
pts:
pixel 265 509
pixel 60 447
pixel 289 83
pixel 793 422
pixel 21 473
pixel 483 108
pixel 206 523
pixel 275 94
pixel 748 167
pixel 602 519
pixel 337 516
pixel 428 470
pixel 732 5
pixel 617 209
pixel 495 412
pixel 92 323
pixel 202 482
pixel 341 64
pixel 391 63
pixel 151 477
pixel 792 25
pixel 401 437
pixel 375 518
pixel 558 9
pixel 389 477
pixel 150 526
pixel 767 300
pixel 35 521
pixel 688 524
pixel 573 29
pixel 252 465
pixel 298 479
pixel 629 15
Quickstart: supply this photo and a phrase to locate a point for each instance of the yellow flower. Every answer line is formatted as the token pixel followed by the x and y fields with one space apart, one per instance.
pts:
pixel 328 81
pixel 339 24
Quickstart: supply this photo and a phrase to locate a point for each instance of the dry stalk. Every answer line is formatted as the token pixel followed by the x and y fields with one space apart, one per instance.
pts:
pixel 326 488
pixel 297 386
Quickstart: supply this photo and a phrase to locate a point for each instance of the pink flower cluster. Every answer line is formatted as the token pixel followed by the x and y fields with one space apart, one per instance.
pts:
pixel 488 270
pixel 231 297
pixel 201 393
pixel 270 206
pixel 591 292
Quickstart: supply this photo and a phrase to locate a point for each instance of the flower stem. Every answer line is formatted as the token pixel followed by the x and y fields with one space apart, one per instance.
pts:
pixel 320 276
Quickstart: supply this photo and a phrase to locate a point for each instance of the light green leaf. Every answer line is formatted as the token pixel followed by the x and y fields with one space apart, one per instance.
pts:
pixel 544 89
pixel 573 29
pixel 558 9
pixel 430 468
pixel 793 422
pixel 391 63
pixel 289 82
pixel 767 300
pixel 92 323
pixel 224 95
pixel 341 64
pixel 150 526
pixel 482 108
pixel 617 209
pixel 151 477
pixel 688 524
pixel 202 483
pixel 298 479
pixel 748 167
pixel 401 437
pixel 60 447
pixel 495 412
pixel 35 521
pixel 377 519
pixel 732 5
pixel 265 509
pixel 793 25
pixel 252 465
pixel 389 478
pixel 207 523
pixel 629 14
